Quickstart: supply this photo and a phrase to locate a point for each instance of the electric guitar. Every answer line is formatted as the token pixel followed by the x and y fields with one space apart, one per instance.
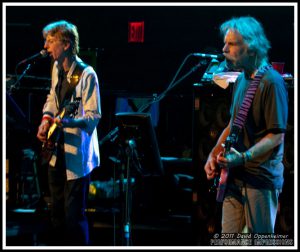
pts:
pixel 221 181
pixel 70 110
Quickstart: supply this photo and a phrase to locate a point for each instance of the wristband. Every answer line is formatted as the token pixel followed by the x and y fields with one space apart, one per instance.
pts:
pixel 48 119
pixel 247 156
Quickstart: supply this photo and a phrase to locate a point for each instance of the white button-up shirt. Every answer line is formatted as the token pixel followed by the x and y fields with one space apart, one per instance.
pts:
pixel 81 145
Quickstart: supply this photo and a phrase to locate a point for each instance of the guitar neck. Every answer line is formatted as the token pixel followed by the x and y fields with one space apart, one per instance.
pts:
pixel 62 114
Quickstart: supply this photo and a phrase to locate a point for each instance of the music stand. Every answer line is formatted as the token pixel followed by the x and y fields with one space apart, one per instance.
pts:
pixel 138 127
pixel 141 156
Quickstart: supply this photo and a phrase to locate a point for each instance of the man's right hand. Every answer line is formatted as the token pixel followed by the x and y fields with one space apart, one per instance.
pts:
pixel 43 130
pixel 211 167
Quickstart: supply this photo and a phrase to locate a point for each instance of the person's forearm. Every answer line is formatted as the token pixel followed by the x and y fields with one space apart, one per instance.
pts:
pixel 266 144
pixel 73 123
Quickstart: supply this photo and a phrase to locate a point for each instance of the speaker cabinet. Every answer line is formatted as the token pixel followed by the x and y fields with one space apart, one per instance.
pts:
pixel 210 117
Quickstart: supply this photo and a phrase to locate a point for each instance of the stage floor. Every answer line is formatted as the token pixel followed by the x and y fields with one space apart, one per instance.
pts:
pixel 31 227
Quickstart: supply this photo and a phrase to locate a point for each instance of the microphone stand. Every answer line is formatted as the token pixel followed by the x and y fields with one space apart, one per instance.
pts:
pixel 162 95
pixel 17 83
pixel 127 182
pixel 131 152
pixel 112 135
pixel 12 101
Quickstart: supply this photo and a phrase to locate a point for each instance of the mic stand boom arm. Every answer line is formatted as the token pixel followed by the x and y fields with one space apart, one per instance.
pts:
pixel 112 135
pixel 173 82
pixel 17 83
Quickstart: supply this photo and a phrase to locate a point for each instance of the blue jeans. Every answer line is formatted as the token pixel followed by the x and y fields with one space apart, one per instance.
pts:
pixel 249 210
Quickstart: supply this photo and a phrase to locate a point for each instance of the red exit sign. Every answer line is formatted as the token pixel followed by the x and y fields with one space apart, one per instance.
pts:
pixel 136 32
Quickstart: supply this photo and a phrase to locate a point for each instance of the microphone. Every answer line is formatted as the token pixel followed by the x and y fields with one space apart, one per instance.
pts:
pixel 213 56
pixel 42 54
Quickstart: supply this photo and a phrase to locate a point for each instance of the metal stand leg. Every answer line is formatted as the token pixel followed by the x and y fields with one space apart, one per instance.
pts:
pixel 28 187
pixel 127 182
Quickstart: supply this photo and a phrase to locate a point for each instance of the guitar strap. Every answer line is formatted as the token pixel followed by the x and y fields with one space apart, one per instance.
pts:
pixel 76 75
pixel 74 80
pixel 241 116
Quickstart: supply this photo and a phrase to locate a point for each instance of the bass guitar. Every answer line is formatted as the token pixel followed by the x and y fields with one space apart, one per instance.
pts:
pixel 70 110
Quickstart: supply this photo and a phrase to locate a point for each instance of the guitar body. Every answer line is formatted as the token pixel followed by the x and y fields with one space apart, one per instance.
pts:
pixel 46 153
pixel 54 131
pixel 48 148
pixel 222 183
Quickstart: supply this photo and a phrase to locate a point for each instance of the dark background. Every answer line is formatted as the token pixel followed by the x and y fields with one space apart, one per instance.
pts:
pixel 171 33
pixel 141 69
pixel 136 70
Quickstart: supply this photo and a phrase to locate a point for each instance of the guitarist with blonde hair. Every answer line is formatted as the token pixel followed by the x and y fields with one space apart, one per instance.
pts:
pixel 71 114
pixel 251 168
